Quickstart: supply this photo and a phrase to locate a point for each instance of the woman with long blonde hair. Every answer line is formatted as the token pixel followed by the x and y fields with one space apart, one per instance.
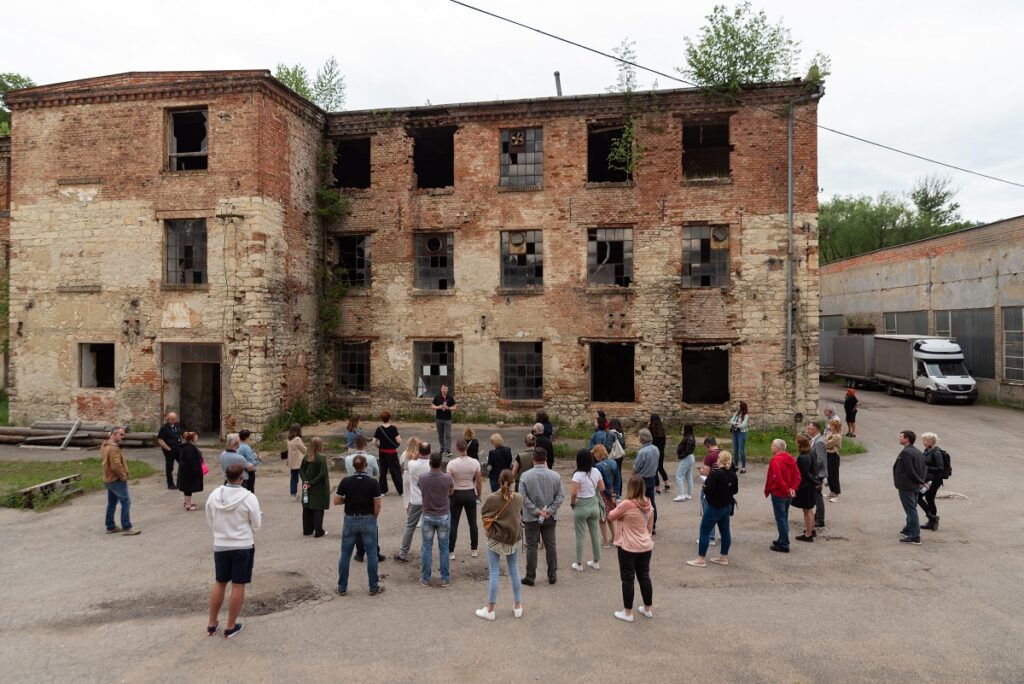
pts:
pixel 636 520
pixel 316 489
pixel 502 514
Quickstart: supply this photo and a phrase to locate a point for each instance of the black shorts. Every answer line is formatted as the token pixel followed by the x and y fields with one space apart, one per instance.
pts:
pixel 234 566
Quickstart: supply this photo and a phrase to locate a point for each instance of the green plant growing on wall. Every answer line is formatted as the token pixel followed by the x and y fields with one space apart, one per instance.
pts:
pixel 331 205
pixel 5 311
pixel 334 290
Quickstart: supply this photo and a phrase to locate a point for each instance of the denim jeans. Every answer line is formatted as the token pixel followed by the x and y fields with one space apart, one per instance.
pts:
pixel 363 527
pixel 684 475
pixel 780 505
pixel 712 517
pixel 410 528
pixel 439 525
pixel 118 492
pixel 908 497
pixel 703 507
pixel 293 485
pixel 651 482
pixel 494 570
pixel 739 448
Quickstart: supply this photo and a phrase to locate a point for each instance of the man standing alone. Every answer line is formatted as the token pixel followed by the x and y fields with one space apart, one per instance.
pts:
pixel 444 404
pixel 233 513
pixel 542 493
pixel 908 473
pixel 435 489
pixel 115 476
pixel 780 484
pixel 360 494
pixel 169 439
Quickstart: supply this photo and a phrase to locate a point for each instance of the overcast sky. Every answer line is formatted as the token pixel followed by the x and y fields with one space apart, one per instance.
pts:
pixel 938 78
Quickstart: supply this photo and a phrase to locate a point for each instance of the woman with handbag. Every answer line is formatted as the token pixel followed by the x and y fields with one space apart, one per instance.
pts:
pixel 720 493
pixel 587 508
pixel 502 514
pixel 635 516
pixel 612 484
pixel 316 489
pixel 738 425
pixel 190 469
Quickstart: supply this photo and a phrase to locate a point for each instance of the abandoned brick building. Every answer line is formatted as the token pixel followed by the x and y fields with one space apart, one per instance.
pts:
pixel 166 252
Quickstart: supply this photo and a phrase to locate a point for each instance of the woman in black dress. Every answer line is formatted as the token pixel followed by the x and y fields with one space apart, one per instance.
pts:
pixel 190 469
pixel 850 407
pixel 472 443
pixel 657 429
pixel 805 499
pixel 499 458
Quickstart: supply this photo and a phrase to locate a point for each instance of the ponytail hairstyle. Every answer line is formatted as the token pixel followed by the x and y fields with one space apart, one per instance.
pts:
pixel 317 447
pixel 191 437
pixel 505 480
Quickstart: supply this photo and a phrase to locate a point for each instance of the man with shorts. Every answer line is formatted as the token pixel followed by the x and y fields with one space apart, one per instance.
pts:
pixel 233 513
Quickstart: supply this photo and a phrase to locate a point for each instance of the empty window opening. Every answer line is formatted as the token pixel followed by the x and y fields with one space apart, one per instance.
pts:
pixel 705 256
pixel 96 363
pixel 186 251
pixel 352 368
pixel 522 370
pixel 600 140
pixel 1013 343
pixel 435 263
pixel 522 158
pixel 611 372
pixel 188 140
pixel 522 259
pixel 435 366
pixel 610 256
pixel 911 323
pixel 706 150
pixel 433 156
pixel 352 163
pixel 354 259
pixel 705 375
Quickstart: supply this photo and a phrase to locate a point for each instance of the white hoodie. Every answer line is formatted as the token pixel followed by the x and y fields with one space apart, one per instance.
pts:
pixel 234 514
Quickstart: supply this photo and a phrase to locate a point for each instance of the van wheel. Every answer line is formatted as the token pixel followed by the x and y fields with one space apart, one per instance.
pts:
pixel 889 390
pixel 929 398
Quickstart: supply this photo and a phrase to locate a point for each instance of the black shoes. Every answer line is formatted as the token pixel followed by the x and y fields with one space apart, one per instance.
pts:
pixel 552 580
pixel 228 633
pixel 781 549
pixel 358 559
pixel 910 540
pixel 528 582
pixel 805 538
pixel 401 559
pixel 378 590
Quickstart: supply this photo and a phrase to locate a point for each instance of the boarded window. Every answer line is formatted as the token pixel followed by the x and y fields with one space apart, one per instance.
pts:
pixel 974 331
pixel 96 365
pixel 1013 343
pixel 186 252
pixel 435 366
pixel 352 163
pixel 352 368
pixel 600 140
pixel 706 150
pixel 705 375
pixel 522 370
pixel 611 372
pixel 435 262
pixel 610 256
pixel 522 158
pixel 522 259
pixel 187 145
pixel 907 323
pixel 354 259
pixel 433 156
pixel 705 256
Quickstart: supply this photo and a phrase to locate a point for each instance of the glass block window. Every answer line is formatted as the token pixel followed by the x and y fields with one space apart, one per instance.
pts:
pixel 435 261
pixel 352 367
pixel 522 370
pixel 522 259
pixel 186 251
pixel 610 256
pixel 705 260
pixel 1013 343
pixel 354 259
pixel 434 366
pixel 522 157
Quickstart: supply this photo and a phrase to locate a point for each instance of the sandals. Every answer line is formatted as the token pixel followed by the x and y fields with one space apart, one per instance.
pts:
pixel 210 631
pixel 191 507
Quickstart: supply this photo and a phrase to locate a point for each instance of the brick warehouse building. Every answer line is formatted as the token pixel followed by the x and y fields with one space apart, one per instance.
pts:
pixel 165 252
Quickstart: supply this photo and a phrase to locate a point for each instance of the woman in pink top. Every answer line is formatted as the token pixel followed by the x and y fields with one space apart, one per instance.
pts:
pixel 636 519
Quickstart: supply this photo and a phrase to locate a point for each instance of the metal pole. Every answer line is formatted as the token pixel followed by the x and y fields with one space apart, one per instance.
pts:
pixel 789 239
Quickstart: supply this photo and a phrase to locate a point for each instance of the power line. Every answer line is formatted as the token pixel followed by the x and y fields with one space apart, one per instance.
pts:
pixel 694 85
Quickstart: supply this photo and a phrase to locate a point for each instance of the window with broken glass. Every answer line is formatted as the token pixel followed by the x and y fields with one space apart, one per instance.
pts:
pixel 354 259
pixel 187 146
pixel 706 150
pixel 522 259
pixel 435 366
pixel 434 261
pixel 522 370
pixel 705 259
pixel 522 158
pixel 186 252
pixel 610 256
pixel 352 368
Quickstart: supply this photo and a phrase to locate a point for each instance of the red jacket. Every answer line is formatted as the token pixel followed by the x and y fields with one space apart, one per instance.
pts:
pixel 783 476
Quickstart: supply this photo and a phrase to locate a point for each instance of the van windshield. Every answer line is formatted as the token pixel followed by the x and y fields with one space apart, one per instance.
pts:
pixel 946 369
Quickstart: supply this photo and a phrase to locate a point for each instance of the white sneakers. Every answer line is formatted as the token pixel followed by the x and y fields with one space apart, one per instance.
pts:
pixel 577 567
pixel 593 565
pixel 646 613
pixel 836 499
pixel 621 615
pixel 682 497
pixel 473 553
pixel 489 614
pixel 451 556
pixel 518 612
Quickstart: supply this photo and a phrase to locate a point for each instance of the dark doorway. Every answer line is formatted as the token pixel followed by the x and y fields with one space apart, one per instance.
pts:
pixel 705 375
pixel 200 397
pixel 611 372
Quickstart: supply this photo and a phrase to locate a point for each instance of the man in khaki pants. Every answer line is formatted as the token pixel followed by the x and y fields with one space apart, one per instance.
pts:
pixel 115 476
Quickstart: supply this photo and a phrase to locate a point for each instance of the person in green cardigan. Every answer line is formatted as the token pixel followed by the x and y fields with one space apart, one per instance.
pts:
pixel 316 489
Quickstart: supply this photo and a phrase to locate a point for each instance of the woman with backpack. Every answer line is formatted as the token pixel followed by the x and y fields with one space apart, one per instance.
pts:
pixel 616 445
pixel 502 514
pixel 935 464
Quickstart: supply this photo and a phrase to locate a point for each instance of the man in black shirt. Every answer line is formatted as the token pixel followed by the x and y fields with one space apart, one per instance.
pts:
pixel 544 442
pixel 444 404
pixel 360 494
pixel 169 439
pixel 908 474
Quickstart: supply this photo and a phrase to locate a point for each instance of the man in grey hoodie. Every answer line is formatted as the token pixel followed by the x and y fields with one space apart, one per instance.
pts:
pixel 233 513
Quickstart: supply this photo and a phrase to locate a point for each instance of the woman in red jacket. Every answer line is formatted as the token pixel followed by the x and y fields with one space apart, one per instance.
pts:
pixel 780 484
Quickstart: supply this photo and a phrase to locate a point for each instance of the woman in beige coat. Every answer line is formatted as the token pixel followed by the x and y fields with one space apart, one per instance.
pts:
pixel 296 452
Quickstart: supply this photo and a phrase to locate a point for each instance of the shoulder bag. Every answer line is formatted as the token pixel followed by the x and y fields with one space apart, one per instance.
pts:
pixel 489 520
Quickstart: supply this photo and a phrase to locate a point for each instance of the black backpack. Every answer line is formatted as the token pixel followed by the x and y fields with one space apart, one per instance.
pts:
pixel 947 467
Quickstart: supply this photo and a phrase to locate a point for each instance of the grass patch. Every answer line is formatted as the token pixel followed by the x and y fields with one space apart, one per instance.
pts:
pixel 5 414
pixel 16 475
pixel 983 400
pixel 301 413
pixel 759 442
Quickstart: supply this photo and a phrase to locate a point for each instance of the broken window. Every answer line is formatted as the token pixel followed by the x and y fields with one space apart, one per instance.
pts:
pixel 433 156
pixel 611 372
pixel 352 368
pixel 354 259
pixel 522 158
pixel 610 256
pixel 1013 343
pixel 435 262
pixel 352 163
pixel 705 375
pixel 435 366
pixel 187 147
pixel 705 256
pixel 522 259
pixel 96 365
pixel 600 140
pixel 186 251
pixel 706 150
pixel 522 370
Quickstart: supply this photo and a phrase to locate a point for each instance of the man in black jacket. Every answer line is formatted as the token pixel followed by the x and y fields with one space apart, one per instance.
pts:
pixel 908 473
pixel 544 443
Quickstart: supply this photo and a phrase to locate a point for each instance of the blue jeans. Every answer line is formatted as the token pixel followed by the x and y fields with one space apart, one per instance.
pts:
pixel 684 475
pixel 908 497
pixel 651 482
pixel 739 449
pixel 439 525
pixel 293 485
pixel 363 528
pixel 703 507
pixel 780 505
pixel 494 570
pixel 118 492
pixel 711 517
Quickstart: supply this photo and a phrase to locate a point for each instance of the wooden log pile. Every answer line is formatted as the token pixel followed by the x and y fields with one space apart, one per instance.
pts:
pixel 62 434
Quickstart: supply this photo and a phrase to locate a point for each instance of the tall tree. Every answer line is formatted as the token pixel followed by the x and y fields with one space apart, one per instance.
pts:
pixel 933 198
pixel 326 89
pixel 10 81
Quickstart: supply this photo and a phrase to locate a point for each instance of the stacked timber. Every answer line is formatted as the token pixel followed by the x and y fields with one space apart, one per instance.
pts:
pixel 62 434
